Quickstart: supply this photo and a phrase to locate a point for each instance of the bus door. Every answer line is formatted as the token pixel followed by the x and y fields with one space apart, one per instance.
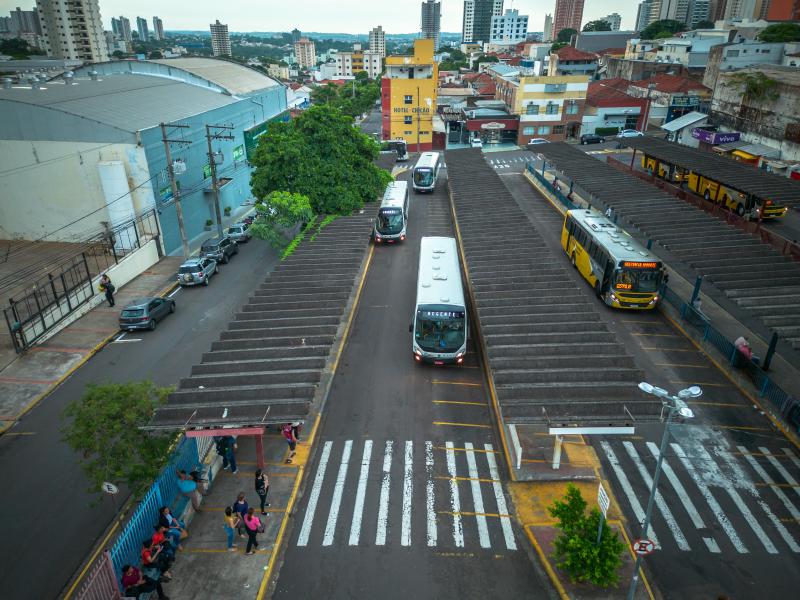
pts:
pixel 605 282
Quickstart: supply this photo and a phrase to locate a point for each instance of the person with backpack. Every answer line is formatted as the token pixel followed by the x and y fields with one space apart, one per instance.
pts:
pixel 226 448
pixel 262 488
pixel 108 288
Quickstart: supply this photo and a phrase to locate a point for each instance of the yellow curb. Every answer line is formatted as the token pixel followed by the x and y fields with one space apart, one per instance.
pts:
pixel 547 566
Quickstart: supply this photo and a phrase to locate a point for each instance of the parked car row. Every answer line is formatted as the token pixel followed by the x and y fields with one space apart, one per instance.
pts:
pixel 146 312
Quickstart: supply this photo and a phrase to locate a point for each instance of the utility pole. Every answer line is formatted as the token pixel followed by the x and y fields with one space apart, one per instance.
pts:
pixel 174 184
pixel 213 165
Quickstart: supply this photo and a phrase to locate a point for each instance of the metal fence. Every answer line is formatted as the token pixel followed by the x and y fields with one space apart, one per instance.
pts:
pixel 187 456
pixel 56 295
pixel 564 199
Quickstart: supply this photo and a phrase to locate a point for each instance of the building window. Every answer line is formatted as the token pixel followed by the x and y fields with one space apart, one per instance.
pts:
pixel 557 129
pixel 732 53
pixel 528 130
pixel 532 109
pixel 408 133
pixel 544 130
pixel 572 108
pixel 552 108
pixel 408 120
pixel 408 99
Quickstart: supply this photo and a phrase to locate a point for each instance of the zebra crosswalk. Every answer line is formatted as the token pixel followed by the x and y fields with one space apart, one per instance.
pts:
pixel 507 163
pixel 405 493
pixel 713 495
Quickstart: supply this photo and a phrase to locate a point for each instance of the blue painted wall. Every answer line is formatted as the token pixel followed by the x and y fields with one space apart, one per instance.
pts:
pixel 196 203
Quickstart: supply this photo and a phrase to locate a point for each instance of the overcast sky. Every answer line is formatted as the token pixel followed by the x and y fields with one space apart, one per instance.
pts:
pixel 334 16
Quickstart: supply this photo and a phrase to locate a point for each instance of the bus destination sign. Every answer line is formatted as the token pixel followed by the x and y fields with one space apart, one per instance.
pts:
pixel 390 211
pixel 633 264
pixel 441 314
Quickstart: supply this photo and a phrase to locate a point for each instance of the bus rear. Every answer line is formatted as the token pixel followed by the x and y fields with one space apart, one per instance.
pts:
pixel 390 224
pixel 439 324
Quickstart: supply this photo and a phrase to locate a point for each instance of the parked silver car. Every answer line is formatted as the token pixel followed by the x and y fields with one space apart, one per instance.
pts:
pixel 239 232
pixel 197 271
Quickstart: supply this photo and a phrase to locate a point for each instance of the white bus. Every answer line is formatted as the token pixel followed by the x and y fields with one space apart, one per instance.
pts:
pixel 440 315
pixel 426 171
pixel 390 224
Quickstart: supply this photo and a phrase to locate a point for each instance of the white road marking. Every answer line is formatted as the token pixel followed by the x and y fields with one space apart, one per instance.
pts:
pixel 743 480
pixel 175 291
pixel 680 539
pixel 691 509
pixel 633 499
pixel 126 341
pixel 408 490
pixel 358 510
pixel 383 506
pixel 455 502
pixel 477 498
pixel 502 509
pixel 124 333
pixel 781 469
pixel 305 531
pixel 429 497
pixel 723 519
pixel 338 490
pixel 765 477
pixel 792 457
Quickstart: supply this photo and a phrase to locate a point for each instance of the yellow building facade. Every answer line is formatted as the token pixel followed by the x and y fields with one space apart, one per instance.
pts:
pixel 408 97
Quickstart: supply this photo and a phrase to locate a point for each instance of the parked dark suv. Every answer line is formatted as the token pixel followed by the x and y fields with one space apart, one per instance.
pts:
pixel 592 138
pixel 219 249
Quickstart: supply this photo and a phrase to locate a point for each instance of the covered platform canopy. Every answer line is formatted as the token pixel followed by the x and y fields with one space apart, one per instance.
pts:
pixel 730 173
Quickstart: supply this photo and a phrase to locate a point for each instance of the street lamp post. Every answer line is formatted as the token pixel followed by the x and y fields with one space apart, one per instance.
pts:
pixel 673 404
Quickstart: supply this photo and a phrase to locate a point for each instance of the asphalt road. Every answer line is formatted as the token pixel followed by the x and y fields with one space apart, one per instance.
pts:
pixel 386 430
pixel 728 521
pixel 372 124
pixel 48 523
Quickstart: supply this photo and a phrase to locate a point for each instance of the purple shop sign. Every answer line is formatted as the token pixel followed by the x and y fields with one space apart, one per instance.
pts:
pixel 715 137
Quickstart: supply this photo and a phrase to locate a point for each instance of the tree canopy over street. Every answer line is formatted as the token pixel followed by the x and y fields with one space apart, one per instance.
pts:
pixel 321 155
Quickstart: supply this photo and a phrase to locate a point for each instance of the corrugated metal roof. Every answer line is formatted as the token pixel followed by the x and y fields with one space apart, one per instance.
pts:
pixel 126 102
pixel 235 78
pixel 751 148
pixel 684 121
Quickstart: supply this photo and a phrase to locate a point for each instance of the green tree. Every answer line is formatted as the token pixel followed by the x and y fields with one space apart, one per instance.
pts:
pixel 322 156
pixel 576 548
pixel 704 25
pixel 781 32
pixel 18 48
pixel 557 46
pixel 278 213
pixel 484 58
pixel 598 25
pixel 662 29
pixel 118 54
pixel 325 94
pixel 565 35
pixel 155 54
pixel 104 426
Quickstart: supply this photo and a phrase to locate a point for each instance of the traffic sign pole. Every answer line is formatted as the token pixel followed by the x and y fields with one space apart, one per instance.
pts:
pixel 603 502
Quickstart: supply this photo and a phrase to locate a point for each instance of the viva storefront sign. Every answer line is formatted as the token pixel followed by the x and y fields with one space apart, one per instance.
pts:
pixel 715 137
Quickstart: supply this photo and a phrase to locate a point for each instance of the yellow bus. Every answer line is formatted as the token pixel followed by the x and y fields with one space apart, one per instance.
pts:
pixel 656 167
pixel 623 273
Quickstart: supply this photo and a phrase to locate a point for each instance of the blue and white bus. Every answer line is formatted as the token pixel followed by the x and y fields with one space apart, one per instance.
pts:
pixel 426 172
pixel 440 315
pixel 390 224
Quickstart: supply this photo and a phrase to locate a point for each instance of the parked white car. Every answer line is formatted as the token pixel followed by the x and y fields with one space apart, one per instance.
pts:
pixel 625 133
pixel 476 143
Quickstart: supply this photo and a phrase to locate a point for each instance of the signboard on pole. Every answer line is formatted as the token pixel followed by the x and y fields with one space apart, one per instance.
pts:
pixel 644 547
pixel 603 501
pixel 109 488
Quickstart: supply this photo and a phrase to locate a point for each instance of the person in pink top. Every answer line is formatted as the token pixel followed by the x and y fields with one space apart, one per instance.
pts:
pixel 291 438
pixel 252 524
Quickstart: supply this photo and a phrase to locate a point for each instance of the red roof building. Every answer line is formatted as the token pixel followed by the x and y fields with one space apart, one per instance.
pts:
pixel 571 61
pixel 609 107
pixel 673 84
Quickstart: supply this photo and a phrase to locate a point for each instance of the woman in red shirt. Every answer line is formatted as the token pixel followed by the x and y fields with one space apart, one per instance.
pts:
pixel 134 583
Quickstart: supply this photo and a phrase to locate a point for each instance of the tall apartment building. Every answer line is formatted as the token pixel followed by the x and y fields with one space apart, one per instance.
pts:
pixel 296 35
pixel 510 28
pixel 547 36
pixel 431 27
pixel 377 41
pixel 614 20
pixel 784 10
pixel 408 96
pixel 122 28
pixel 305 53
pixel 478 15
pixel 220 39
pixel 72 29
pixel 350 63
pixel 568 15
pixel 25 21
pixel 740 9
pixel 142 29
pixel 698 11
pixel 643 14
pixel 158 29
pixel 716 9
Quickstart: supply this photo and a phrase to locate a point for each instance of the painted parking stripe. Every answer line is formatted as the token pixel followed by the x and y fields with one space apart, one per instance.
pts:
pixel 361 491
pixel 408 490
pixel 338 490
pixel 429 495
pixel 723 519
pixel 455 501
pixel 766 478
pixel 633 499
pixel 787 477
pixel 505 522
pixel 742 479
pixel 305 531
pixel 477 497
pixel 688 505
pixel 383 506
pixel 792 457
pixel 680 539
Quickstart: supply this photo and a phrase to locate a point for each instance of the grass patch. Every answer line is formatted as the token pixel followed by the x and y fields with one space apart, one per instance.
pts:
pixel 322 225
pixel 287 252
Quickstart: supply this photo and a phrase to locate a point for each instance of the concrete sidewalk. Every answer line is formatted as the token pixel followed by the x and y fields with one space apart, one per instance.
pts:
pixel 29 377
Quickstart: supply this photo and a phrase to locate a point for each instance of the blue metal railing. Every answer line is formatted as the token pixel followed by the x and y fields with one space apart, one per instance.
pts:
pixel 549 187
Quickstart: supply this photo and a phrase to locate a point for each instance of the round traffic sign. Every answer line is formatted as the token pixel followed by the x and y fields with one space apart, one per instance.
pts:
pixel 644 547
pixel 110 488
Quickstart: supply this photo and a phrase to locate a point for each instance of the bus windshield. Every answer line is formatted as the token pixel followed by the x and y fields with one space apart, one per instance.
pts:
pixel 439 330
pixel 637 281
pixel 423 176
pixel 390 221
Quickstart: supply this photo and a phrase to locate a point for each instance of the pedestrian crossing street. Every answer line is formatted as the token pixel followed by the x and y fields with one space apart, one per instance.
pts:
pixel 395 492
pixel 714 496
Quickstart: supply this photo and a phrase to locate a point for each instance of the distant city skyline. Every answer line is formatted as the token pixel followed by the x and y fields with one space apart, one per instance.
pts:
pixel 342 16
